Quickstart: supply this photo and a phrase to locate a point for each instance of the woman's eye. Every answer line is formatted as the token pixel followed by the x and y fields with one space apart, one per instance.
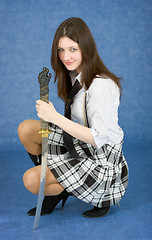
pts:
pixel 60 50
pixel 73 49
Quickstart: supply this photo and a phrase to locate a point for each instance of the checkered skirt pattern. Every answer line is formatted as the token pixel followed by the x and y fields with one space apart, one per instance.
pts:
pixel 97 176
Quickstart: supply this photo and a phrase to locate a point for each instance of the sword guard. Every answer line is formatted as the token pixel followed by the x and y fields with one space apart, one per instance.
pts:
pixel 44 132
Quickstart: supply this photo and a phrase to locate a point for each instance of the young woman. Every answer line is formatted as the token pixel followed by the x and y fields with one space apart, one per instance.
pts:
pixel 85 156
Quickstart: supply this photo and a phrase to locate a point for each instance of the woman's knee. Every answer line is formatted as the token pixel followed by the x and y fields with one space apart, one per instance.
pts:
pixel 24 130
pixel 28 130
pixel 31 180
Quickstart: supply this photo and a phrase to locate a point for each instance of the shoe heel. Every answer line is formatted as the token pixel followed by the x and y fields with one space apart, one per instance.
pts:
pixel 64 200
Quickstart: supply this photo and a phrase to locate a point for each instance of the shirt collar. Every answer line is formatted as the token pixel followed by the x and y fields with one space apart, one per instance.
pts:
pixel 75 76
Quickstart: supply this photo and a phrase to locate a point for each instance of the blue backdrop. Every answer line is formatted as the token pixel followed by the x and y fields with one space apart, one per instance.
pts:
pixel 123 33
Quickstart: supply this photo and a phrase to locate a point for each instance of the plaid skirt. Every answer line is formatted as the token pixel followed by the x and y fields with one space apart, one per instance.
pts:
pixel 97 176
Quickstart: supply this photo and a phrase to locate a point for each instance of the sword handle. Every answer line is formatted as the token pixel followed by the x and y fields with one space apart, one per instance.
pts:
pixel 44 79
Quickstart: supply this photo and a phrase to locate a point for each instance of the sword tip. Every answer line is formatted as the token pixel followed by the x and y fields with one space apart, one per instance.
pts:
pixel 35 226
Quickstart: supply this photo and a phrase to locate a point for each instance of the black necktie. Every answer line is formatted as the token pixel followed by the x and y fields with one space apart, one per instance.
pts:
pixel 68 139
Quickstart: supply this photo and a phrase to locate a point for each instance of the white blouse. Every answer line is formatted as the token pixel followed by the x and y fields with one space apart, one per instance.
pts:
pixel 102 104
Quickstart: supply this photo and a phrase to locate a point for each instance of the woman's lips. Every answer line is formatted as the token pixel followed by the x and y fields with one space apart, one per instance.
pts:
pixel 68 63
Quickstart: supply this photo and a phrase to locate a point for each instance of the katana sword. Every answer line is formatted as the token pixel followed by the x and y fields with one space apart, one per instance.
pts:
pixel 43 79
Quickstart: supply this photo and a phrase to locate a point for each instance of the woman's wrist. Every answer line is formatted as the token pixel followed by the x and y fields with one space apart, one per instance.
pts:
pixel 58 120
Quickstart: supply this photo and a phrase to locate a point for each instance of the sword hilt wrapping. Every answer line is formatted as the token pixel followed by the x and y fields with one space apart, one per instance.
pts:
pixel 44 79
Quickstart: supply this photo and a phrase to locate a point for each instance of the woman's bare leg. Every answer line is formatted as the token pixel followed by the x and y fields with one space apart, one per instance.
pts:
pixel 31 181
pixel 32 141
pixel 29 136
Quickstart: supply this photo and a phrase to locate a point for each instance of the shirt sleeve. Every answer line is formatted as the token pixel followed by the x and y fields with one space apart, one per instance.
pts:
pixel 99 104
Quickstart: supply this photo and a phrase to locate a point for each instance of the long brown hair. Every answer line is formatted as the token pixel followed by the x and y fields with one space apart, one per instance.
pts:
pixel 92 65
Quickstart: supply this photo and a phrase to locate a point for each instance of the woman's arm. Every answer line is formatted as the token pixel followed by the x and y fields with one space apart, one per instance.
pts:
pixel 47 112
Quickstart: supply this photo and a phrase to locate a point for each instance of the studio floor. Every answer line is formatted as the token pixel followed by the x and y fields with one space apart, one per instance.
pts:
pixel 132 220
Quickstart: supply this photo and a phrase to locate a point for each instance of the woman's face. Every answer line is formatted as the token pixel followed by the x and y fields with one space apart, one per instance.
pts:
pixel 70 54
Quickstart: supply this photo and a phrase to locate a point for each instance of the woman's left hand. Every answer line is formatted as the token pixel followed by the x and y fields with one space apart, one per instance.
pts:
pixel 46 111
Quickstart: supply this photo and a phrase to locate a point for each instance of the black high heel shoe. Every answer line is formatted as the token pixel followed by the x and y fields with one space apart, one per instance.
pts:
pixel 49 203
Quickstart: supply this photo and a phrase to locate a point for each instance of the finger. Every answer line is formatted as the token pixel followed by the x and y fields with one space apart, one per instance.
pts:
pixel 38 115
pixel 37 106
pixel 39 101
pixel 50 103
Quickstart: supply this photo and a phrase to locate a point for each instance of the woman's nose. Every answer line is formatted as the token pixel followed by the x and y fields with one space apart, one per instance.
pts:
pixel 67 55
